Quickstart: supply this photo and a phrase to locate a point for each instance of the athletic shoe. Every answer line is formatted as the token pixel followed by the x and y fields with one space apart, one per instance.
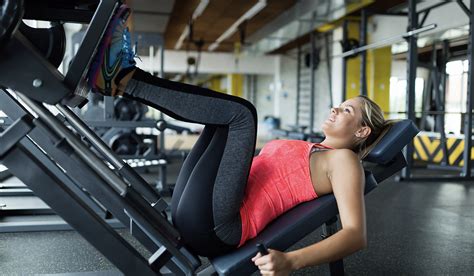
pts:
pixel 114 57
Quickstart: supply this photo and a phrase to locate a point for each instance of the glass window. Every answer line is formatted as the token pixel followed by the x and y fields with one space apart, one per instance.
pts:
pixel 456 93
pixel 398 99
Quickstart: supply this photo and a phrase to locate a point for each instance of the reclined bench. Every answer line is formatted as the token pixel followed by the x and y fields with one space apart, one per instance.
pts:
pixel 386 159
pixel 40 141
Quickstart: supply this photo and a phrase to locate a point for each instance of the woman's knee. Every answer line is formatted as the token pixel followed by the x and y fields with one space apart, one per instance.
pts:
pixel 244 117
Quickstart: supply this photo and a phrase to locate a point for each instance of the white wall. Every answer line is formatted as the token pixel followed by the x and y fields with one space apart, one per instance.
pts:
pixel 211 63
pixel 265 97
pixel 276 95
pixel 288 68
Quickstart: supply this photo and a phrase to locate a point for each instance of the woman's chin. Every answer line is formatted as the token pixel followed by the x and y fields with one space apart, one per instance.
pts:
pixel 325 125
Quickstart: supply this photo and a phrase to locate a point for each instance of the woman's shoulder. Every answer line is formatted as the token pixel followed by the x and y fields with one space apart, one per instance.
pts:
pixel 343 156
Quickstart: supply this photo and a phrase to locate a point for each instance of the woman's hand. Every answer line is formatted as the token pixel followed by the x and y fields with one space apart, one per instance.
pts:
pixel 274 263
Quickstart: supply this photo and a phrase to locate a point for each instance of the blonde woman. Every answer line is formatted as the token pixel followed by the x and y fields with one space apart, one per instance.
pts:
pixel 224 195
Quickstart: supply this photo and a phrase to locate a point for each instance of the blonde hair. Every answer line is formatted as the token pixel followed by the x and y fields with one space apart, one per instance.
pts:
pixel 372 117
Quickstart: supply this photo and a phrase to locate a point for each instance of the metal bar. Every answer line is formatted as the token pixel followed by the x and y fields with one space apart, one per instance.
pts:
pixel 135 180
pixel 67 179
pixel 4 174
pixel 439 126
pixel 121 124
pixel 109 109
pixel 14 133
pixel 411 77
pixel 363 56
pixel 45 225
pixel 166 190
pixel 444 60
pixel 470 101
pixel 393 13
pixel 425 15
pixel 298 85
pixel 83 219
pixel 85 131
pixel 313 79
pixel 162 74
pixel 388 41
pixel 160 230
pixel 466 10
pixel 98 165
pixel 336 268
pixel 438 178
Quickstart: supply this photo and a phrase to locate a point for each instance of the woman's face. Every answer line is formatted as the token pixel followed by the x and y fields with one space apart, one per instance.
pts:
pixel 345 120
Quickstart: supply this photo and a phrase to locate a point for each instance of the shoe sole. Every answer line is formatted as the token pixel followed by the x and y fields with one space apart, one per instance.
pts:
pixel 97 67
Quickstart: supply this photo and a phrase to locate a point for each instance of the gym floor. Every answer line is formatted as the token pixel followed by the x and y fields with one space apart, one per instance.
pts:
pixel 414 228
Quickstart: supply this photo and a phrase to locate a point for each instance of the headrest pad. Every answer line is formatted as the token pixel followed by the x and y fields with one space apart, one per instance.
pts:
pixel 399 135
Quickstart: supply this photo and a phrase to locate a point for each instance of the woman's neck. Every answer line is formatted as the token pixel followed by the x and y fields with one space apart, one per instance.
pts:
pixel 336 143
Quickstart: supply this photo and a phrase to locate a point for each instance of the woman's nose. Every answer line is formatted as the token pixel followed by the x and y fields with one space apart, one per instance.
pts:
pixel 333 110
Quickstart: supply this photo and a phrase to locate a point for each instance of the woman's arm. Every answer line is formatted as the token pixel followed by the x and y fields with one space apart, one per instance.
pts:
pixel 347 180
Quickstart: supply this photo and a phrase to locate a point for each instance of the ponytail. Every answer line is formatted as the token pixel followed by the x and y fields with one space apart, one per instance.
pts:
pixel 372 117
pixel 369 144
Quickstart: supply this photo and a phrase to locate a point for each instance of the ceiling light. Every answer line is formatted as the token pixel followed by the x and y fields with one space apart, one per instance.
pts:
pixel 248 15
pixel 197 12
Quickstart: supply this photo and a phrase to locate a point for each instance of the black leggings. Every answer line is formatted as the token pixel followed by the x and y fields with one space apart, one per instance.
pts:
pixel 210 186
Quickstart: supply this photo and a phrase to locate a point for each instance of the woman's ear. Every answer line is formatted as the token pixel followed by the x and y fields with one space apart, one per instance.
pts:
pixel 363 132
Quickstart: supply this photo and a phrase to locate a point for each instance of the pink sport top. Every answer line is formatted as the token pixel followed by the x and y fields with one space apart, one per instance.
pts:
pixel 279 180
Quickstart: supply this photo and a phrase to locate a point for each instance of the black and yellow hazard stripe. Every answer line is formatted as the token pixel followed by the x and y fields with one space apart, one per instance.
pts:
pixel 428 148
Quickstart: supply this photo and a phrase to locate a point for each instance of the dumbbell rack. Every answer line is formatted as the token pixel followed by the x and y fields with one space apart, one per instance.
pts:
pixel 152 156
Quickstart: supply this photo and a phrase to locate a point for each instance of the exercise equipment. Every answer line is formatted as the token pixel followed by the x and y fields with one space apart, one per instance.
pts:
pixel 4 174
pixel 116 121
pixel 384 160
pixel 11 13
pixel 51 42
pixel 262 249
pixel 124 142
pixel 351 46
pixel 88 163
pixel 128 110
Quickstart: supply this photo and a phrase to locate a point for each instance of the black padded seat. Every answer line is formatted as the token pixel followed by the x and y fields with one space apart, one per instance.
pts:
pixel 285 231
pixel 303 219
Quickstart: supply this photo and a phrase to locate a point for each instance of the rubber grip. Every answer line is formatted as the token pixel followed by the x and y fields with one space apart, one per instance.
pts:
pixel 262 249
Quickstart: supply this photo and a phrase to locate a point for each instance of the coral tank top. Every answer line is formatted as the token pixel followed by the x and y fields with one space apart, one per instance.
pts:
pixel 279 180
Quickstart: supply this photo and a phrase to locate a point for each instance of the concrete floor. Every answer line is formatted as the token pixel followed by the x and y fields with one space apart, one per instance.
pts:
pixel 414 228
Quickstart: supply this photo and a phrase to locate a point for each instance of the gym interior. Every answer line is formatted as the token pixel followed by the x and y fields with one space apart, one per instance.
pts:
pixel 86 180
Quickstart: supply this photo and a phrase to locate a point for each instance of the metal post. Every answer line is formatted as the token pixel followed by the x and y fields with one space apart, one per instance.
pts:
pixel 442 100
pixel 470 100
pixel 109 108
pixel 254 89
pixel 363 55
pixel 328 67
pixel 427 90
pixel 344 61
pixel 163 173
pixel 411 77
pixel 336 268
pixel 312 95
pixel 298 85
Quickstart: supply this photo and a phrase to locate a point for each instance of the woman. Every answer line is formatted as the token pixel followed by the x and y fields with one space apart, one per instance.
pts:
pixel 223 196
